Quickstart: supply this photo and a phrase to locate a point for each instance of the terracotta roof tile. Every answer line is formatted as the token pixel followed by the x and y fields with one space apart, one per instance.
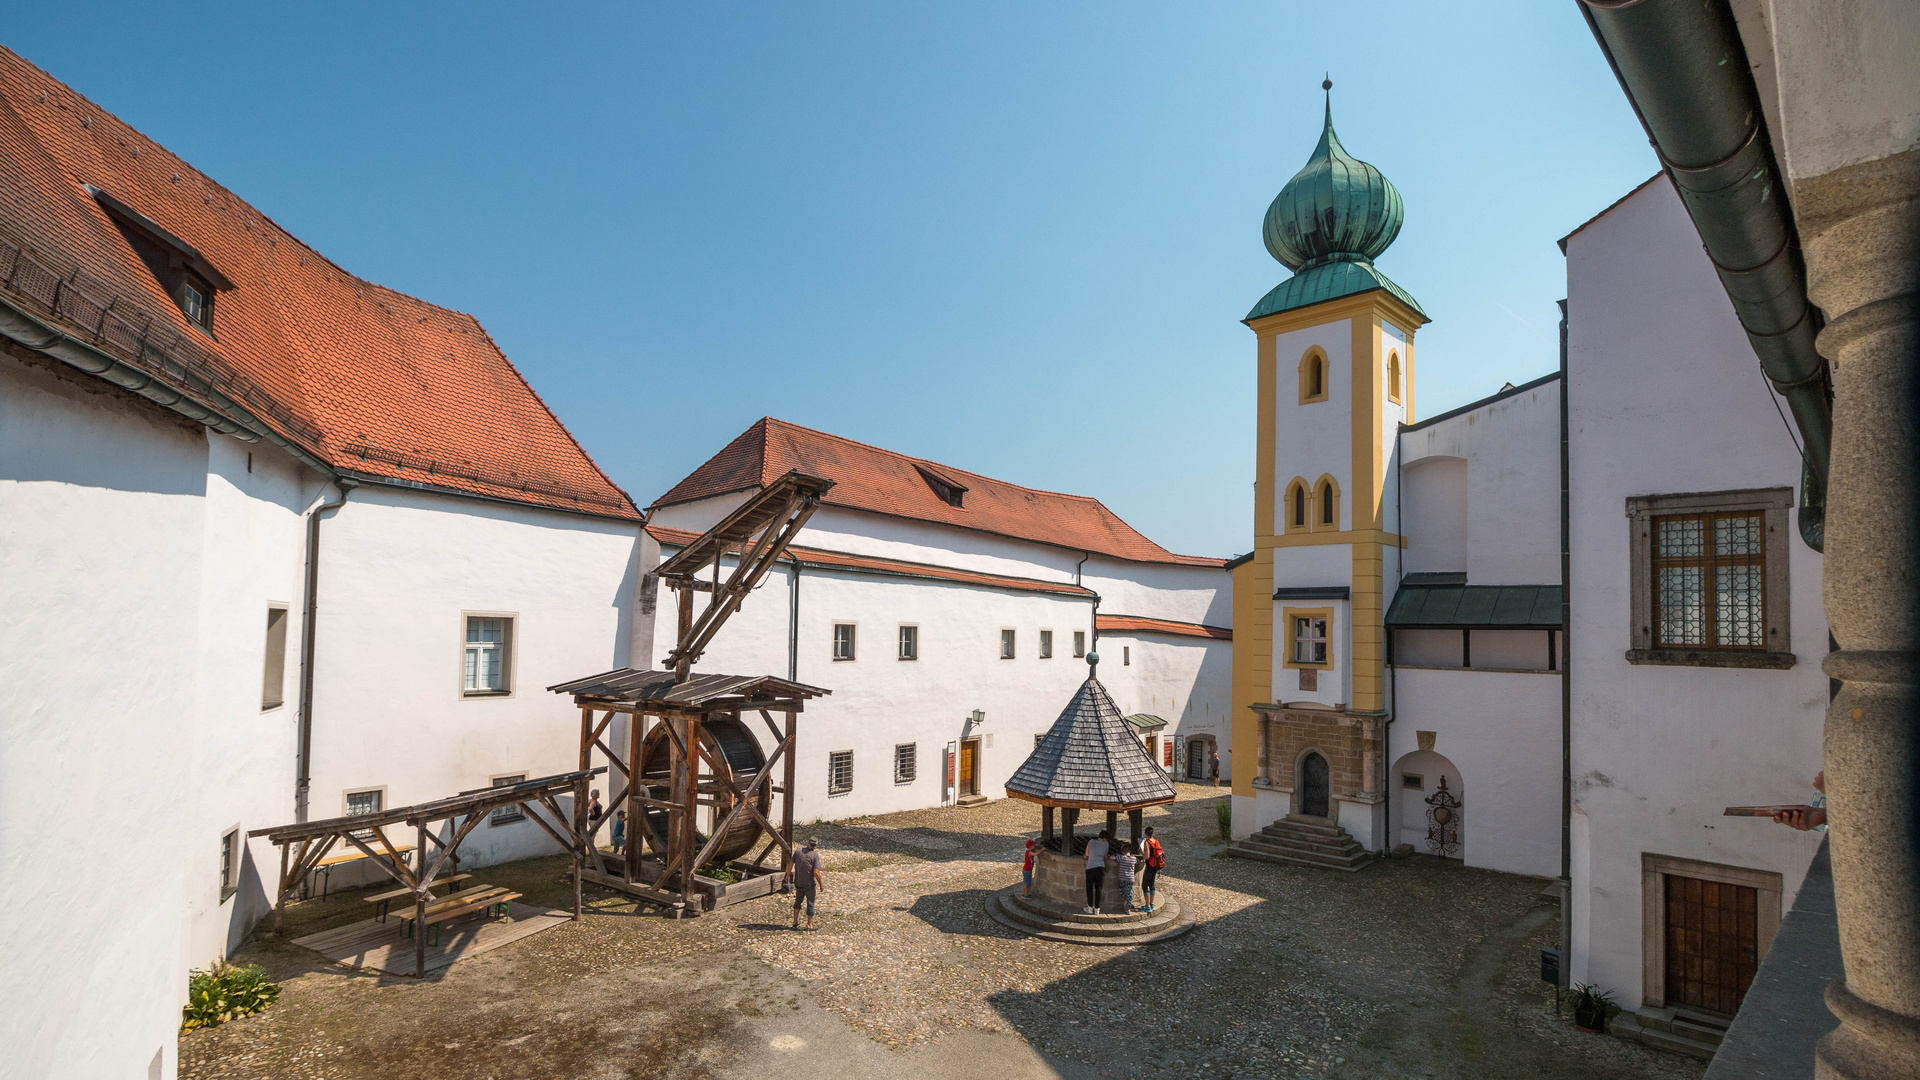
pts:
pixel 883 482
pixel 365 378
pixel 834 560
pixel 1115 624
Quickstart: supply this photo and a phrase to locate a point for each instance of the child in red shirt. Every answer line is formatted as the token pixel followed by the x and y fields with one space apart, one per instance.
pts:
pixel 1026 872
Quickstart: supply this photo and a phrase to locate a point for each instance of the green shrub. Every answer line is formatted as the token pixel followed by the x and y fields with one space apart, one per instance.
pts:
pixel 225 992
pixel 1223 813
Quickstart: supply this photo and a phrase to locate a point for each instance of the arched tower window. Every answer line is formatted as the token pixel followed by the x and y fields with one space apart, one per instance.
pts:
pixel 1393 376
pixel 1326 504
pixel 1299 512
pixel 1313 376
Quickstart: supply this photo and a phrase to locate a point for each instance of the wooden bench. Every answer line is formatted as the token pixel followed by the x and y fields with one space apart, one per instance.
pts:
pixel 479 898
pixel 383 900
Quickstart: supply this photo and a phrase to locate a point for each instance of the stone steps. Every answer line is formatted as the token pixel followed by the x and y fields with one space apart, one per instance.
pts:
pixel 1040 919
pixel 1303 841
pixel 971 801
pixel 1663 1030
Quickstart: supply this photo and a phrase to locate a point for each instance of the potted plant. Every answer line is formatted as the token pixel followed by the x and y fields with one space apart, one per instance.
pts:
pixel 1592 1007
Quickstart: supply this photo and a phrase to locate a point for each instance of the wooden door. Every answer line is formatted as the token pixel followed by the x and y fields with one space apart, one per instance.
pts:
pixel 969 783
pixel 1314 786
pixel 1713 944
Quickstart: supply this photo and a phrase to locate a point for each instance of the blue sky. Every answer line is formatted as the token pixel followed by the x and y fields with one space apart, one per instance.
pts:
pixel 1017 239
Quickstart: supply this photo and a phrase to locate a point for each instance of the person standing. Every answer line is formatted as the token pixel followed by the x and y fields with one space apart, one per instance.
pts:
pixel 1026 873
pixel 1096 869
pixel 619 831
pixel 594 810
pixel 1155 857
pixel 1213 766
pixel 1123 865
pixel 806 876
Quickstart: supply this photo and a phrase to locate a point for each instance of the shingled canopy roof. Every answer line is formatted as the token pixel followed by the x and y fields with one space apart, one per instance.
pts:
pixel 1091 760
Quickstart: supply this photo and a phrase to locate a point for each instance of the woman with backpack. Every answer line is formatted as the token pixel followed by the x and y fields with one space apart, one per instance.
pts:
pixel 1155 857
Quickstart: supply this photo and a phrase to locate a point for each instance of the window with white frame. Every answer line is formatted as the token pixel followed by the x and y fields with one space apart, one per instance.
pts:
pixel 1006 644
pixel 489 655
pixel 1046 644
pixel 273 675
pixel 839 772
pixel 1309 639
pixel 507 815
pixel 909 642
pixel 230 849
pixel 906 764
pixel 842 641
pixel 1079 643
pixel 366 801
pixel 1710 578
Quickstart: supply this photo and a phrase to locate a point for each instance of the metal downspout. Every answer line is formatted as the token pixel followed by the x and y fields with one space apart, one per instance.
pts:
pixel 303 752
pixel 793 621
pixel 1684 70
pixel 1566 683
pixel 1392 829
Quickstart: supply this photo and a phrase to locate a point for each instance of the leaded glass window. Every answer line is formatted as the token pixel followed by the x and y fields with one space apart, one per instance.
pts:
pixel 1710 581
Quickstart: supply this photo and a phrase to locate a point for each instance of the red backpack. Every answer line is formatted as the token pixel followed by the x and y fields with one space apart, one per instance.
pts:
pixel 1156 855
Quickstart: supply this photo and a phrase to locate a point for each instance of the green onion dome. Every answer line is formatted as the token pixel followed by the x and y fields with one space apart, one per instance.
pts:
pixel 1336 209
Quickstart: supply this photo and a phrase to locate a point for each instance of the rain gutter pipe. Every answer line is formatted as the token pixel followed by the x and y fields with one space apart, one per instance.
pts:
pixel 793 621
pixel 219 413
pixel 1566 678
pixel 1686 74
pixel 309 620
pixel 1392 831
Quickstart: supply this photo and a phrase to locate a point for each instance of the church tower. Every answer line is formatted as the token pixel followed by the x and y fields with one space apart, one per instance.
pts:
pixel 1335 363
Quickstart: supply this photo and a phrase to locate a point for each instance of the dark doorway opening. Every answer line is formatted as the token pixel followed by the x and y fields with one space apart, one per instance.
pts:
pixel 1314 784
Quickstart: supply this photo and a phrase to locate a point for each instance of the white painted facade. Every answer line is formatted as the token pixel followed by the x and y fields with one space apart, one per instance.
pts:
pixel 139 555
pixel 1666 398
pixel 880 702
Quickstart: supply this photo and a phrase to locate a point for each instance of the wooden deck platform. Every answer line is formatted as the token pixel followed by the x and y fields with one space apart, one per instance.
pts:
pixel 381 946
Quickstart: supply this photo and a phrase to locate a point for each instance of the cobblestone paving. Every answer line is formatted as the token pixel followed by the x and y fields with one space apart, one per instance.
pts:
pixel 1291 973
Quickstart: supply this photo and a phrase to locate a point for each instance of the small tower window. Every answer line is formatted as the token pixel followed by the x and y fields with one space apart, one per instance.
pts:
pixel 1316 376
pixel 1393 376
pixel 1296 506
pixel 1313 375
pixel 1327 497
pixel 1326 503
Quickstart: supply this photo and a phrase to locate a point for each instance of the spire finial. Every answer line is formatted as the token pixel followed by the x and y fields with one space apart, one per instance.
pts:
pixel 1327 83
pixel 1093 662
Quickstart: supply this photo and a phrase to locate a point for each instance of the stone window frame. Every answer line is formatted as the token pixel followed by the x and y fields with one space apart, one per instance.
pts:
pixel 1654 869
pixel 1775 505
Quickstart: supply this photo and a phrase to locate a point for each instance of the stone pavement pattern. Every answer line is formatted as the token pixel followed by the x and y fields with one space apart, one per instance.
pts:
pixel 1414 968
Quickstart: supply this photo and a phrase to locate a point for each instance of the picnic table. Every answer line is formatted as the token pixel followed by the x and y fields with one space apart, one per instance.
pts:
pixel 486 898
pixel 325 866
pixel 382 900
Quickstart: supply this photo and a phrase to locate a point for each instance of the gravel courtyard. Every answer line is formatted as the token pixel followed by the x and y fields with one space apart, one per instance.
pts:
pixel 1417 967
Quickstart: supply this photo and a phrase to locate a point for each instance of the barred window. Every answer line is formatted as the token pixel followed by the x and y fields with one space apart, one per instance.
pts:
pixel 905 763
pixel 839 772
pixel 371 801
pixel 507 815
pixel 1710 574
pixel 1710 578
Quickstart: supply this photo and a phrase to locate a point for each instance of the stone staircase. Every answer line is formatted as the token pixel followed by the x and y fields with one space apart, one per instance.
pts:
pixel 1663 1029
pixel 1043 919
pixel 971 801
pixel 1296 840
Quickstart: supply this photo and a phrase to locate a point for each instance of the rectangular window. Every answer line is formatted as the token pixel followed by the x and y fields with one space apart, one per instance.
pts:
pixel 905 763
pixel 1710 579
pixel 1006 644
pixel 839 772
pixel 1309 639
pixel 365 802
pixel 842 641
pixel 1126 656
pixel 507 815
pixel 1414 781
pixel 1046 644
pixel 489 656
pixel 1079 643
pixel 909 643
pixel 273 676
pixel 229 863
pixel 193 303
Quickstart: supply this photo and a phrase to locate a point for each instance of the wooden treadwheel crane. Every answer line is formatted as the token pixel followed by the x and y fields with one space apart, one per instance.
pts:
pixel 687 749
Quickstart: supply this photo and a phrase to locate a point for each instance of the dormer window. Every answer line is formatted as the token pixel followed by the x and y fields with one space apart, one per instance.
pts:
pixel 183 273
pixel 946 489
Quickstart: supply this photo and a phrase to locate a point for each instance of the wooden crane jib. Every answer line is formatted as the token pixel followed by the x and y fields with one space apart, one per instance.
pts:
pixel 757 534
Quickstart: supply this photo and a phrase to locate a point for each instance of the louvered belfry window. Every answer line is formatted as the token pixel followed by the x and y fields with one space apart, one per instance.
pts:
pixel 1710 581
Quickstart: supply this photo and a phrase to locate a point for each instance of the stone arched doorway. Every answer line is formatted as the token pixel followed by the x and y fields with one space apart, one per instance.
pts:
pixel 1316 785
pixel 1416 780
pixel 1198 765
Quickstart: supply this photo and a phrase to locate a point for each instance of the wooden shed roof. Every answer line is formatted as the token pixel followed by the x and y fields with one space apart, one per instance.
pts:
pixel 1091 759
pixel 634 687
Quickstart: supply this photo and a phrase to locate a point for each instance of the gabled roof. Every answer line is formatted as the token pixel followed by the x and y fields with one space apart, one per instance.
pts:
pixel 367 380
pixel 1091 759
pixel 884 482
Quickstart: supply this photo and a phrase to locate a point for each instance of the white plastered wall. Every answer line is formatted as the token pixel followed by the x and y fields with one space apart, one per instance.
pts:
pixel 1315 438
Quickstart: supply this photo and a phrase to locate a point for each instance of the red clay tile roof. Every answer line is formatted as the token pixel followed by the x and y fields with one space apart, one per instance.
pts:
pixel 1118 624
pixel 883 482
pixel 367 379
pixel 865 564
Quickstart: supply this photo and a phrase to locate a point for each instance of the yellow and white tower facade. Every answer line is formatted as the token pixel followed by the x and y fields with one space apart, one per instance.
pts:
pixel 1335 382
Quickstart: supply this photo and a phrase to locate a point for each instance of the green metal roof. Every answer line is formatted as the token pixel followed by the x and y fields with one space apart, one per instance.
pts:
pixel 1146 721
pixel 1335 204
pixel 1475 607
pixel 1329 281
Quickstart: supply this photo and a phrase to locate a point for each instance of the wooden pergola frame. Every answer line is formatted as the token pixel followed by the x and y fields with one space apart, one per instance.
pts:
pixel 316 838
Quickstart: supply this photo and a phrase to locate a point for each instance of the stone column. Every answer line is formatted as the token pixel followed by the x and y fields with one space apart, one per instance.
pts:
pixel 1860 231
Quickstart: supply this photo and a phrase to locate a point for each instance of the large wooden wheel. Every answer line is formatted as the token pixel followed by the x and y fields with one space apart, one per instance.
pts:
pixel 732 756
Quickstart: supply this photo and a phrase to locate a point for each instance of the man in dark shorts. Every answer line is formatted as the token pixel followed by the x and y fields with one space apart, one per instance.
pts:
pixel 806 876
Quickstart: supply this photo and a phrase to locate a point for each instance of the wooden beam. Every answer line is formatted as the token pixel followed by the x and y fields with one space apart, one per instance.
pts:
pixel 420 911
